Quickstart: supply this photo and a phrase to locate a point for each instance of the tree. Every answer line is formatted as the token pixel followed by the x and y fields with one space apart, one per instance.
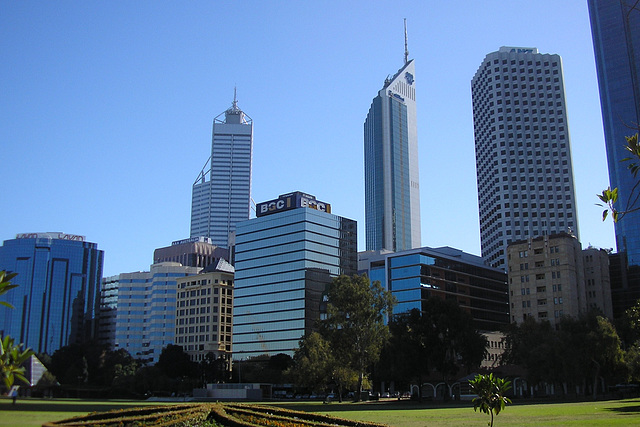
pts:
pixel 455 343
pixel 11 359
pixel 439 338
pixel 491 393
pixel 174 362
pixel 12 356
pixel 610 196
pixel 354 326
pixel 533 345
pixel 313 363
pixel 5 285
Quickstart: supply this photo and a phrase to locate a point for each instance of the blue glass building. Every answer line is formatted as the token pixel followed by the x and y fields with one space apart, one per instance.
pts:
pixel 57 300
pixel 615 26
pixel 392 191
pixel 416 275
pixel 146 308
pixel 284 260
pixel 221 194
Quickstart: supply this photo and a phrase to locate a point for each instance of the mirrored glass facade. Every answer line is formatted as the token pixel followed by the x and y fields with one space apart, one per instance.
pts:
pixel 392 193
pixel 415 276
pixel 615 26
pixel 57 300
pixel 283 263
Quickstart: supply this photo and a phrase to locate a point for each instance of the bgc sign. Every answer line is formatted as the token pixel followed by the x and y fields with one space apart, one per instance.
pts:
pixel 291 201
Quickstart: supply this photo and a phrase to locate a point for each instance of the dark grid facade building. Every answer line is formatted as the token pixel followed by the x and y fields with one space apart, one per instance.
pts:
pixel 523 155
pixel 416 275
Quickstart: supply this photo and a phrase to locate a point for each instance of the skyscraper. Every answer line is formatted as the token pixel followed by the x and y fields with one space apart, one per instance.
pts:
pixel 221 194
pixel 392 191
pixel 523 155
pixel 285 258
pixel 615 26
pixel 57 300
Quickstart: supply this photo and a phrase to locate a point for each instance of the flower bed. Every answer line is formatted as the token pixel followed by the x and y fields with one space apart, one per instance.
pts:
pixel 223 415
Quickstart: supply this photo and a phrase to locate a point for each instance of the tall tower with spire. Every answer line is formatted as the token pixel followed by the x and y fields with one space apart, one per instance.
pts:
pixel 221 194
pixel 392 190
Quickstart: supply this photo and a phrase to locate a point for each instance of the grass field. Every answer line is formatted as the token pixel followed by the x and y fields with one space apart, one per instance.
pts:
pixel 31 413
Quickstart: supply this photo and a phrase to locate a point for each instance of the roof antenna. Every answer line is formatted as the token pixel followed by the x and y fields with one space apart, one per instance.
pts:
pixel 406 47
pixel 235 100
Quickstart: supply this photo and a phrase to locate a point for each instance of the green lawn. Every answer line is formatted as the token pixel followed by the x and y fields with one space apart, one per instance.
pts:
pixel 34 412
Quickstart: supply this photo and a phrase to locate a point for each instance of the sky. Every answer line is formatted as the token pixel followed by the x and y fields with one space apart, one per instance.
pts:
pixel 106 108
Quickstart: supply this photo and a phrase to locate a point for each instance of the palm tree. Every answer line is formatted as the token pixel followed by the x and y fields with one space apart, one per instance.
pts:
pixel 11 356
pixel 491 394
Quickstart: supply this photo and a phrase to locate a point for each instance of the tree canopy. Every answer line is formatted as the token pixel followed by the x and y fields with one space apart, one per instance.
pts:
pixel 355 322
pixel 439 340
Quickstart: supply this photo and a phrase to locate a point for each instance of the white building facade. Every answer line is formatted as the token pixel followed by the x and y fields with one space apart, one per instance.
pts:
pixel 523 155
pixel 221 194
pixel 146 308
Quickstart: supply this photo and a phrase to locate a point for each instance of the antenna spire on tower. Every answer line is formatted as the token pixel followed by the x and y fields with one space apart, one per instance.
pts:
pixel 235 99
pixel 406 45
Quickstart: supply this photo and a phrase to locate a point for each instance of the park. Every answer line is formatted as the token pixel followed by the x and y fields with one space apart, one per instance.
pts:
pixel 394 413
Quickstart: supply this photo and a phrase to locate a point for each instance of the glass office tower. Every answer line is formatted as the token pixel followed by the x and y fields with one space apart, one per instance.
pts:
pixel 58 297
pixel 615 26
pixel 523 153
pixel 221 194
pixel 416 275
pixel 284 260
pixel 392 192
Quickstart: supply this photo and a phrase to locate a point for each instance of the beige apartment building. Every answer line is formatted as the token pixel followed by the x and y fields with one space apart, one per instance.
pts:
pixel 546 278
pixel 204 312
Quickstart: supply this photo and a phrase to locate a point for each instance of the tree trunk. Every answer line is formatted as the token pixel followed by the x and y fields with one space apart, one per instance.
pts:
pixel 595 380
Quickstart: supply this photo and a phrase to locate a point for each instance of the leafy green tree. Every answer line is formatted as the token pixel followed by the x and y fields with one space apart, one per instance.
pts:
pixel 354 326
pixel 533 345
pixel 5 285
pixel 491 393
pixel 12 357
pixel 174 362
pixel 455 343
pixel 439 338
pixel 407 357
pixel 313 363
pixel 610 196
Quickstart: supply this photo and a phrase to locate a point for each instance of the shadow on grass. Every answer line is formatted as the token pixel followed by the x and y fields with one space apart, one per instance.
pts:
pixel 66 406
pixel 632 407
pixel 367 406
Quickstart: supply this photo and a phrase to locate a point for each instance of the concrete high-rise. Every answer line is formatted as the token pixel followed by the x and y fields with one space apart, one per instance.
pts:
pixel 392 191
pixel 58 294
pixel 221 194
pixel 615 26
pixel 523 155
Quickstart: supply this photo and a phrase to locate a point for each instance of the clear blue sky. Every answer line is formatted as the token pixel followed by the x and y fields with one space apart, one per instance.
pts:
pixel 106 108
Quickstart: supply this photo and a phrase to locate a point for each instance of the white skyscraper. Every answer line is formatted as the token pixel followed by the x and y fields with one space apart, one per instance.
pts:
pixel 523 155
pixel 221 194
pixel 392 191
